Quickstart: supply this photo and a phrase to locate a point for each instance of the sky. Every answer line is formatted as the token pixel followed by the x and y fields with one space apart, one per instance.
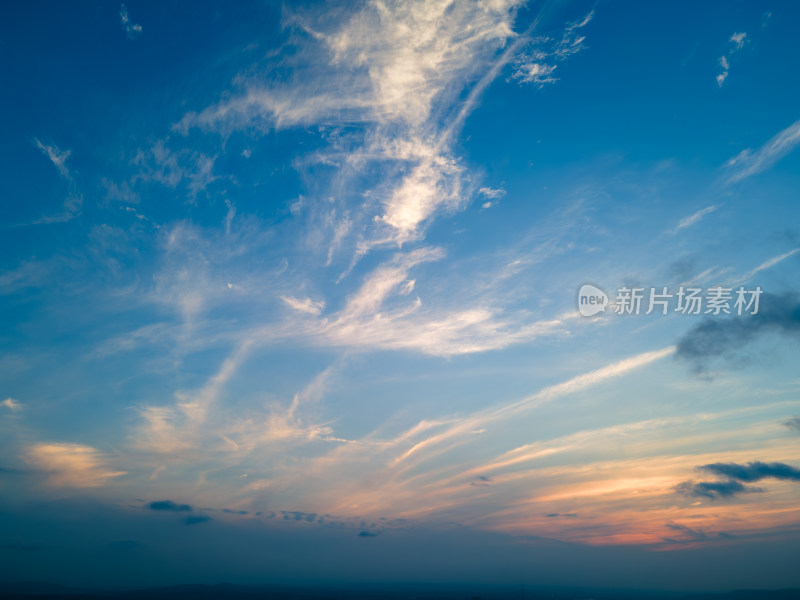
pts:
pixel 290 292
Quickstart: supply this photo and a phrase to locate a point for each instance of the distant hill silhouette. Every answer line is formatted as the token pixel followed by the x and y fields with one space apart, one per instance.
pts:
pixel 222 591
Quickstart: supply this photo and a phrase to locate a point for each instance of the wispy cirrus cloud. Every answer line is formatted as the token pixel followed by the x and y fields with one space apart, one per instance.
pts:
pixel 74 201
pixel 694 218
pixel 399 72
pixel 57 156
pixel 748 162
pixel 537 63
pixel 305 305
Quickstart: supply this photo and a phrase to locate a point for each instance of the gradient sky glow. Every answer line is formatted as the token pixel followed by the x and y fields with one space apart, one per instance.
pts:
pixel 288 292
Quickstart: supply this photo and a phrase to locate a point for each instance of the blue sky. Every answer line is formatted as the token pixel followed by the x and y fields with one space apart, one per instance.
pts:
pixel 305 275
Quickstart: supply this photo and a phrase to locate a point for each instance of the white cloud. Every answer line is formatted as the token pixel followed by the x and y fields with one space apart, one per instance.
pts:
pixel 305 305
pixel 171 168
pixel 767 264
pixel 492 193
pixel 130 28
pixel 407 472
pixel 74 201
pixel 11 404
pixel 57 156
pixel 537 63
pixel 399 70
pixel 748 162
pixel 738 41
pixel 71 465
pixel 694 218
pixel 184 430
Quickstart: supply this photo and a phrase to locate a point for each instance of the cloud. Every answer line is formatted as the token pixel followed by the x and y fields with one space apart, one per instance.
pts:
pixel 196 519
pixel 406 75
pixel 737 40
pixel 368 534
pixel 694 218
pixel 714 338
pixel 305 305
pixel 385 313
pixel 793 423
pixel 169 505
pixel 465 428
pixel 537 63
pixel 491 193
pixel 74 200
pixel 182 430
pixel 768 264
pixel 691 534
pixel 57 156
pixel 189 168
pixel 713 490
pixel 72 465
pixel 131 29
pixel 748 162
pixel 297 515
pixel 736 475
pixel 11 404
pixel 754 471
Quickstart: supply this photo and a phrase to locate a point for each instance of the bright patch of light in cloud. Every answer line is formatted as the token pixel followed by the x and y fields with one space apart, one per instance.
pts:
pixel 72 465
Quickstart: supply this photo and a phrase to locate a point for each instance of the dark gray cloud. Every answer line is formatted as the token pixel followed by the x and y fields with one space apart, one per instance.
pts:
pixel 725 337
pixel 234 512
pixel 368 534
pixel 754 471
pixel 714 490
pixel 563 515
pixel 736 476
pixel 297 515
pixel 195 519
pixel 689 534
pixel 169 505
pixel 793 423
